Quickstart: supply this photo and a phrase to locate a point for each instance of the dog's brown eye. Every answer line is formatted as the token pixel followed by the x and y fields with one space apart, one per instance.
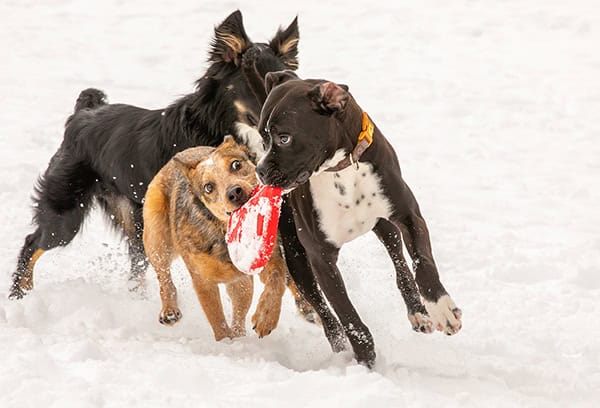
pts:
pixel 236 165
pixel 208 188
pixel 285 139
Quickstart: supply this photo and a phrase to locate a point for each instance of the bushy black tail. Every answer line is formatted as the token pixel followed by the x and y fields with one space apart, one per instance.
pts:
pixel 90 98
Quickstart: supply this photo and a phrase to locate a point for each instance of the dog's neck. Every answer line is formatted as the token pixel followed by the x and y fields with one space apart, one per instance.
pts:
pixel 356 136
pixel 351 121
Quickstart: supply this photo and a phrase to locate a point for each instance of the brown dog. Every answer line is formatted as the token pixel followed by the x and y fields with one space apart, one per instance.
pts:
pixel 186 210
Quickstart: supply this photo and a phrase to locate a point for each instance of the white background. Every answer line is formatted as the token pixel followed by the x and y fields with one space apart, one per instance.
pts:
pixel 493 108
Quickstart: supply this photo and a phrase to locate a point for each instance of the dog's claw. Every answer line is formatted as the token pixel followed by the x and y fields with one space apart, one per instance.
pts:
pixel 265 319
pixel 421 322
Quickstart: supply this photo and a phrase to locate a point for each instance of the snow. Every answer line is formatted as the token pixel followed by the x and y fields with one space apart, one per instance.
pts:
pixel 493 110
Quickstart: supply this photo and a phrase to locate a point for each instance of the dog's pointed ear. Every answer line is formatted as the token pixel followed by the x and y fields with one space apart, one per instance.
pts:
pixel 328 97
pixel 272 79
pixel 228 140
pixel 285 44
pixel 230 40
pixel 187 168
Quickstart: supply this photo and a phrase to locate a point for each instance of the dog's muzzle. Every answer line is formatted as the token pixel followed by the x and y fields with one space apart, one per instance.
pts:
pixel 275 177
pixel 271 176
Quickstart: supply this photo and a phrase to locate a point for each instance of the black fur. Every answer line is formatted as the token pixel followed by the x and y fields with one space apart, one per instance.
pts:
pixel 110 152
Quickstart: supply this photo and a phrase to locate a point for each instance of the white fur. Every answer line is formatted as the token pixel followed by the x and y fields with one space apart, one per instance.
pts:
pixel 443 315
pixel 251 138
pixel 341 218
pixel 338 156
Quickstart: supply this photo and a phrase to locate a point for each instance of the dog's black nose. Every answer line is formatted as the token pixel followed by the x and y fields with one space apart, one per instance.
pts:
pixel 237 195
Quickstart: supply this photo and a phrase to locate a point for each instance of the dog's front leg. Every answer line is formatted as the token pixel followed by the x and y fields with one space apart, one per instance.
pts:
pixel 268 310
pixel 440 306
pixel 389 235
pixel 323 260
pixel 240 292
pixel 304 278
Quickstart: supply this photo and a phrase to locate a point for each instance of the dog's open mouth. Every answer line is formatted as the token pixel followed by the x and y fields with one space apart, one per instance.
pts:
pixel 248 196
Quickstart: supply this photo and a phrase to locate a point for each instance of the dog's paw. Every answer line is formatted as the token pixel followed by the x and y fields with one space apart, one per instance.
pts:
pixel 307 312
pixel 421 322
pixel 169 316
pixel 137 286
pixel 445 315
pixel 238 332
pixel 265 319
pixel 16 293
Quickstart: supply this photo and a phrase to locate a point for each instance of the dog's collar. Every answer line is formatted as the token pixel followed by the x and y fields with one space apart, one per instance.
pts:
pixel 365 138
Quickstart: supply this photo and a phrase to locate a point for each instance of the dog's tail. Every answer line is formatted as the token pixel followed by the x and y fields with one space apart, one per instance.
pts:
pixel 89 99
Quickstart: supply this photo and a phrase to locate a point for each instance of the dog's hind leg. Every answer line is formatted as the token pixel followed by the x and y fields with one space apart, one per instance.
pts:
pixel 127 216
pixel 137 255
pixel 63 197
pixel 30 253
pixel 390 236
pixel 304 308
pixel 208 292
pixel 159 247
pixel 441 308
pixel 240 292
pixel 304 278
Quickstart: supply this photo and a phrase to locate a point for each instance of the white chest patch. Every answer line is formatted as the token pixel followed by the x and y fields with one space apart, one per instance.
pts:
pixel 251 138
pixel 349 202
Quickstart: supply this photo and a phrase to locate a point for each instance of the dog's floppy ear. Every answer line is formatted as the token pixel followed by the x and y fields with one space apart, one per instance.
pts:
pixel 230 40
pixel 285 44
pixel 328 97
pixel 272 79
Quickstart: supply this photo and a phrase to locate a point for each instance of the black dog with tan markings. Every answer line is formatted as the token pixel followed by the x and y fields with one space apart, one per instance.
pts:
pixel 186 211
pixel 343 179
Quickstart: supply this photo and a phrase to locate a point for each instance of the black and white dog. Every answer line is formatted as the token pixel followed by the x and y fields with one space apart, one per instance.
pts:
pixel 110 152
pixel 343 179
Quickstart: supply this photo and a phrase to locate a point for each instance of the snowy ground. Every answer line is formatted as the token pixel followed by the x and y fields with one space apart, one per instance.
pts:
pixel 493 108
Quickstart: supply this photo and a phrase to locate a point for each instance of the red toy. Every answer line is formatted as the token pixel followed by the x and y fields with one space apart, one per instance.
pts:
pixel 252 230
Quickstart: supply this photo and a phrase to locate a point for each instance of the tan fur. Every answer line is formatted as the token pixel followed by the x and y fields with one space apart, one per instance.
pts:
pixel 235 43
pixel 181 219
pixel 26 281
pixel 285 47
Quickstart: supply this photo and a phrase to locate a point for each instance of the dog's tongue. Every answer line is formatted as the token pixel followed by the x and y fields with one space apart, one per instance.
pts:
pixel 252 230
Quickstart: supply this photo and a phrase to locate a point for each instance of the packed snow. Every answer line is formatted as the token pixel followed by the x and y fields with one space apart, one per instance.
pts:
pixel 493 108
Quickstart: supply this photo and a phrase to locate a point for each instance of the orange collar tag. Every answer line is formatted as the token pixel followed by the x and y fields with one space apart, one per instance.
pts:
pixel 367 129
